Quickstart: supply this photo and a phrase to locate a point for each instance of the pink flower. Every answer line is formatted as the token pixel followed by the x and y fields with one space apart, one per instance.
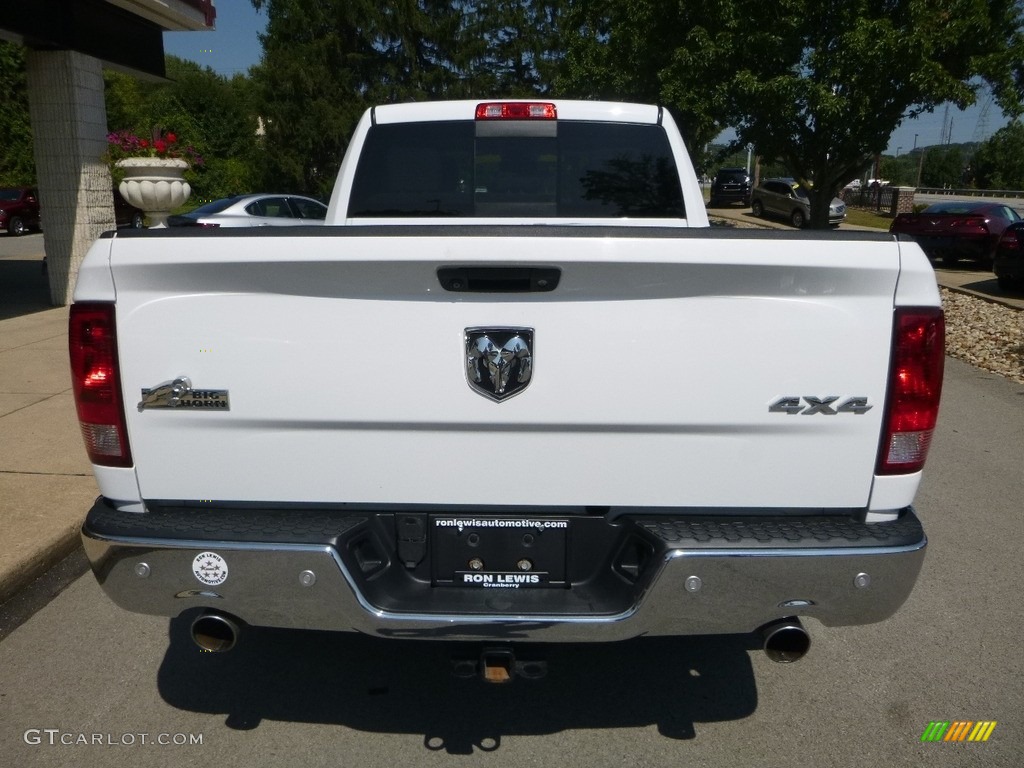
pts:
pixel 124 144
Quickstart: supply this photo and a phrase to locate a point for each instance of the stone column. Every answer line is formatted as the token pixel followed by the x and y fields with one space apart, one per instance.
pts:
pixel 69 127
pixel 903 200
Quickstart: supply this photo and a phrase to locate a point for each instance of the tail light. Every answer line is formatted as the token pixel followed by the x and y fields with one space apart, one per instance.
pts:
pixel 96 384
pixel 1010 242
pixel 915 386
pixel 516 110
pixel 972 225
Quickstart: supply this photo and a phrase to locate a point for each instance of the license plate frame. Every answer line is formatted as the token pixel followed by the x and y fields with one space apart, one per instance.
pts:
pixel 499 552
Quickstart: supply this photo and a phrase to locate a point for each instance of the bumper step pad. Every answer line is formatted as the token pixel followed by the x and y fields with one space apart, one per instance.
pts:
pixel 782 532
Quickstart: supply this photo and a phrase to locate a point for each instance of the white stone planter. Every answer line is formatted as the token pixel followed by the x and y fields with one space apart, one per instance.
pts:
pixel 154 185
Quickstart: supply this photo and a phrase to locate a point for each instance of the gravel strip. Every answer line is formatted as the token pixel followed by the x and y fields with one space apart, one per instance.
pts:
pixel 989 336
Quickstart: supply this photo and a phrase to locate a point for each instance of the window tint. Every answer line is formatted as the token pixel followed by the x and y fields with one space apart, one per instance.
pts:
pixel 960 208
pixel 308 209
pixel 583 170
pixel 270 206
pixel 215 207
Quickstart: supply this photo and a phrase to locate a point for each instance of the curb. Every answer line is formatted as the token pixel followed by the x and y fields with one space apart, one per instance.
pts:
pixel 34 565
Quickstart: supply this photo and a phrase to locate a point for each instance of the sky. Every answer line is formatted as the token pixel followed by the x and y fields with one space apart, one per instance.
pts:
pixel 231 48
pixel 234 47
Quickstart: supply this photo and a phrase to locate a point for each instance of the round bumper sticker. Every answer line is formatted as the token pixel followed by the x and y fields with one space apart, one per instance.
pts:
pixel 210 568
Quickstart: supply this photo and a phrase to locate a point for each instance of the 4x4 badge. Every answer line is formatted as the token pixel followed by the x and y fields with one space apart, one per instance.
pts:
pixel 499 361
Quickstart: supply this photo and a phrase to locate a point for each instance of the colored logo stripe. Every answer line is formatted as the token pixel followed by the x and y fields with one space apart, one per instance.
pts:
pixel 958 730
pixel 982 731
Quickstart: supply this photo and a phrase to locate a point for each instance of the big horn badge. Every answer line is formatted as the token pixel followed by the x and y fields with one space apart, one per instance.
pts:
pixel 499 361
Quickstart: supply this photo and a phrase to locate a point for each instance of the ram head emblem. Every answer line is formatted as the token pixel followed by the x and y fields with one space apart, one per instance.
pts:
pixel 499 361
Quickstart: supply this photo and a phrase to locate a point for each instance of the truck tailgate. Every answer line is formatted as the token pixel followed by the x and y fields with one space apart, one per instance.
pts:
pixel 655 364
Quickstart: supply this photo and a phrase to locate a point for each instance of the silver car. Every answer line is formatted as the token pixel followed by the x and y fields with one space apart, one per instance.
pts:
pixel 786 199
pixel 265 210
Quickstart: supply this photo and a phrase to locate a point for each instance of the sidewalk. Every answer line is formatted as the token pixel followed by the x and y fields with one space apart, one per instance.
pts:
pixel 46 483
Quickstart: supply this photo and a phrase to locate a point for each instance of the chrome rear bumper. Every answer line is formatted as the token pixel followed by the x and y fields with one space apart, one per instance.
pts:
pixel 701 578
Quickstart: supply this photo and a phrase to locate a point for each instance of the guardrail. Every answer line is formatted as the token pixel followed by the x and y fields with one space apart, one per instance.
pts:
pixel 1015 193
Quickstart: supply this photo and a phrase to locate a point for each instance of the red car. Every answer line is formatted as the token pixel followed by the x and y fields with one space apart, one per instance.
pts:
pixel 1009 261
pixel 957 229
pixel 19 210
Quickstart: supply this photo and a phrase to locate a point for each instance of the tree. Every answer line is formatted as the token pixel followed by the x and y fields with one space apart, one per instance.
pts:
pixel 326 61
pixel 657 51
pixel 507 47
pixel 943 166
pixel 822 87
pixel 318 68
pixel 17 165
pixel 999 162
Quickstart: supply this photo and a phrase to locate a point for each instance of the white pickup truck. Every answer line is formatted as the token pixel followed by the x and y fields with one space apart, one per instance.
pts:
pixel 515 390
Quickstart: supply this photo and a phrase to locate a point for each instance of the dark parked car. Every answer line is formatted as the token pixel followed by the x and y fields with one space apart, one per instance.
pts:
pixel 19 210
pixel 1009 258
pixel 786 199
pixel 957 229
pixel 730 185
pixel 126 214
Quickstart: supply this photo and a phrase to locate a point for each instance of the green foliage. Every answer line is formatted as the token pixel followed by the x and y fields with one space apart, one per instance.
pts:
pixel 17 165
pixel 944 167
pixel 817 86
pixel 211 113
pixel 658 51
pixel 999 162
pixel 311 86
pixel 326 61
pixel 821 86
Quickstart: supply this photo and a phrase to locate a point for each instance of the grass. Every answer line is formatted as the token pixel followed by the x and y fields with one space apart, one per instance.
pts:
pixel 863 217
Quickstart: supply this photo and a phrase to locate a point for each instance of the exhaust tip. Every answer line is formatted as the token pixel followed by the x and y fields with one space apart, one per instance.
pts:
pixel 214 632
pixel 786 641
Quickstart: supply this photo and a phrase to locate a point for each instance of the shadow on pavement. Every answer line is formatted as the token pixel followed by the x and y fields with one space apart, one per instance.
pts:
pixel 379 686
pixel 24 288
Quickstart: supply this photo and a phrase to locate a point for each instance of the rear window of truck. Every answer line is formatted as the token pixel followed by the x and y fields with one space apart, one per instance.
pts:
pixel 556 170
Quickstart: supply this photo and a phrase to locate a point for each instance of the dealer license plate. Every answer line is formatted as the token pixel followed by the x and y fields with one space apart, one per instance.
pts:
pixel 491 552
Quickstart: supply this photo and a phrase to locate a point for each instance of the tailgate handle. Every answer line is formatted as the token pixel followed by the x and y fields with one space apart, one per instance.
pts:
pixel 499 279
